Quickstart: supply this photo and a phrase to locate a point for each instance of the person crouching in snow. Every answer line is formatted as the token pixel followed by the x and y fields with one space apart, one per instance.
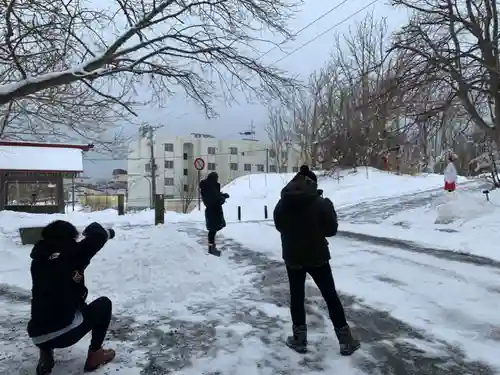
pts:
pixel 450 176
pixel 213 200
pixel 60 316
pixel 304 220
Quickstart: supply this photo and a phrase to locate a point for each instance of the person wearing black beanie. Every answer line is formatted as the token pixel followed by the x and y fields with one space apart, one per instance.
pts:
pixel 305 171
pixel 304 219
pixel 60 314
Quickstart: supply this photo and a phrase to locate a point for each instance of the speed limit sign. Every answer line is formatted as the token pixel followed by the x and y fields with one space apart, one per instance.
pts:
pixel 199 164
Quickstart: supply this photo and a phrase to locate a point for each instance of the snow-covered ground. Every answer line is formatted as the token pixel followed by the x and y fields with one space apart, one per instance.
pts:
pixel 419 306
pixel 463 222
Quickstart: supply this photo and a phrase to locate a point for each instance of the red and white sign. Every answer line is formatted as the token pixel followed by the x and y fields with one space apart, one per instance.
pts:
pixel 199 164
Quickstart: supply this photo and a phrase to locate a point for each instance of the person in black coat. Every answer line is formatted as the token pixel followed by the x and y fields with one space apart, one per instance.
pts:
pixel 60 316
pixel 304 219
pixel 213 200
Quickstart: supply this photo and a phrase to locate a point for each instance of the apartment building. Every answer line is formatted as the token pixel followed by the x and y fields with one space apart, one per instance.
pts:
pixel 176 175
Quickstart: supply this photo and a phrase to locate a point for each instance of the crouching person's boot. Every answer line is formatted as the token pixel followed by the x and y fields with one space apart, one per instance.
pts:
pixel 298 341
pixel 348 343
pixel 97 358
pixel 45 362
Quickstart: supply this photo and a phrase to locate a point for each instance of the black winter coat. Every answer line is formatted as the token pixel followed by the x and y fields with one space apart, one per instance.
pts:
pixel 213 200
pixel 57 268
pixel 304 220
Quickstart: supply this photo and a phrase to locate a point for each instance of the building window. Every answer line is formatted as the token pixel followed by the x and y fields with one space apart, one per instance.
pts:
pixel 169 164
pixel 185 156
pixel 211 166
pixel 272 153
pixel 233 150
pixel 169 196
pixel 272 168
pixel 148 167
pixel 260 167
pixel 186 188
pixel 233 166
pixel 169 147
pixel 185 172
pixel 295 169
pixel 211 151
pixel 169 181
pixel 283 169
pixel 247 167
pixel 284 155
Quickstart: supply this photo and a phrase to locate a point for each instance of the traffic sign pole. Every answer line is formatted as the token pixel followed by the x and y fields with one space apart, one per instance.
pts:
pixel 199 165
pixel 199 190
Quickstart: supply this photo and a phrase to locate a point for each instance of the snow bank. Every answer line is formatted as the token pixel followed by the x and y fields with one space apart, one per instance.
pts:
pixel 11 221
pixel 144 270
pixel 253 192
pixel 463 221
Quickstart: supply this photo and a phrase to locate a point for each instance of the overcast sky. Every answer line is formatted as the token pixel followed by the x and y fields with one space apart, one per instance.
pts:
pixel 183 117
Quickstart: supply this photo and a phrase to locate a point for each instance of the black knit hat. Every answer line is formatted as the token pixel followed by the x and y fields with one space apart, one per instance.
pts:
pixel 305 171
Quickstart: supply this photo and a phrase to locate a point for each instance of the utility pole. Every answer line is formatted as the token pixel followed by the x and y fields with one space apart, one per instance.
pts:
pixel 152 161
pixel 267 160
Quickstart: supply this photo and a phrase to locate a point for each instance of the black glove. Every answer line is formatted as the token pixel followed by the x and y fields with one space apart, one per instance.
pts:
pixel 320 192
pixel 92 228
pixel 98 228
pixel 225 195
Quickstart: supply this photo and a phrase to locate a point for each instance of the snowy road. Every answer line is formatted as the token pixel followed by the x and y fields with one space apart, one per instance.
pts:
pixel 417 310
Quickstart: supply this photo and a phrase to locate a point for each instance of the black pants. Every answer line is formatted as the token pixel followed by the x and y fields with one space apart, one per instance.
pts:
pixel 211 237
pixel 96 319
pixel 323 278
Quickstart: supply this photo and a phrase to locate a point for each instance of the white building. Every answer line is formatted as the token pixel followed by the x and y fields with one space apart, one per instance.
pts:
pixel 176 176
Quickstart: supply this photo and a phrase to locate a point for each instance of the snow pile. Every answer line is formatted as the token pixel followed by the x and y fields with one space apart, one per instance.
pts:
pixel 253 192
pixel 11 221
pixel 154 269
pixel 458 206
pixel 463 221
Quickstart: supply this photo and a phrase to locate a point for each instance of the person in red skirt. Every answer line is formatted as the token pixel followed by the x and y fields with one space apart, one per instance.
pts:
pixel 450 175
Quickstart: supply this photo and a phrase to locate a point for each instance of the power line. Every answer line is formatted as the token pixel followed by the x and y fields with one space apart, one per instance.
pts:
pixel 306 27
pixel 325 32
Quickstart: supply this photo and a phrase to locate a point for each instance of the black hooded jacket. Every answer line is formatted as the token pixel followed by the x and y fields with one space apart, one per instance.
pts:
pixel 57 267
pixel 304 220
pixel 213 200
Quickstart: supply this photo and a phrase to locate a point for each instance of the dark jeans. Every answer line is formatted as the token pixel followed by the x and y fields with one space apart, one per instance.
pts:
pixel 323 278
pixel 211 237
pixel 95 319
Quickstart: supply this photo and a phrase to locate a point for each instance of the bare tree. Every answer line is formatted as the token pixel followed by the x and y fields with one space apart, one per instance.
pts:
pixel 66 64
pixel 187 189
pixel 279 131
pixel 454 44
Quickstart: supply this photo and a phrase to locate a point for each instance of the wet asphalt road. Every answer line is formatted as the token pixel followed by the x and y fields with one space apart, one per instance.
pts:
pixel 389 344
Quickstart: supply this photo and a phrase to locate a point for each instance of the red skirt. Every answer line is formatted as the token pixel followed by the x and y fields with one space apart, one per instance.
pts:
pixel 450 186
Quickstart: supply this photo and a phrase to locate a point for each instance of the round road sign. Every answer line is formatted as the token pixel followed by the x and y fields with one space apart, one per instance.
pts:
pixel 199 164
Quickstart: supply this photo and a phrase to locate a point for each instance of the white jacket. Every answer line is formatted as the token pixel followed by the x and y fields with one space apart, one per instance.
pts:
pixel 450 173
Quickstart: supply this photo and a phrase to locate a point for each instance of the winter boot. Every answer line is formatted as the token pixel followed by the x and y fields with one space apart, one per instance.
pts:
pixel 45 362
pixel 348 343
pixel 298 341
pixel 97 358
pixel 212 250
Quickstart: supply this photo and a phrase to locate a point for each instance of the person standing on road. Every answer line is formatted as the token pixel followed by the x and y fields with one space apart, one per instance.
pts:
pixel 450 175
pixel 60 316
pixel 213 200
pixel 304 219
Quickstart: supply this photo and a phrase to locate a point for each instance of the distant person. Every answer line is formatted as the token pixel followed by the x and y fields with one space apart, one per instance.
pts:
pixel 450 175
pixel 213 200
pixel 304 218
pixel 60 316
